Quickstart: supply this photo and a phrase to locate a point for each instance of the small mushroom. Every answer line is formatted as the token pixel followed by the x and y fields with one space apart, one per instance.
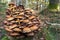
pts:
pixel 5 22
pixel 11 4
pixel 12 26
pixel 13 21
pixel 26 30
pixel 10 18
pixel 17 12
pixel 29 22
pixel 21 10
pixel 14 8
pixel 17 21
pixel 7 29
pixel 9 9
pixel 22 13
pixel 31 17
pixel 34 27
pixel 26 21
pixel 19 16
pixel 30 10
pixel 17 29
pixel 14 34
pixel 33 12
pixel 30 34
pixel 27 9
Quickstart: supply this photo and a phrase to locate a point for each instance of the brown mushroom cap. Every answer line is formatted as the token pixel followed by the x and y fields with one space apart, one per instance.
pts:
pixel 17 29
pixel 27 9
pixel 17 12
pixel 13 21
pixel 22 13
pixel 30 34
pixel 26 21
pixel 34 28
pixel 31 17
pixel 14 8
pixel 10 8
pixel 11 3
pixel 12 26
pixel 19 16
pixel 10 18
pixel 5 22
pixel 26 30
pixel 30 10
pixel 7 29
pixel 14 34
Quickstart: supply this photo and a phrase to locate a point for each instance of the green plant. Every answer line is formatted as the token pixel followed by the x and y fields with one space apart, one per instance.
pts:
pixel 2 6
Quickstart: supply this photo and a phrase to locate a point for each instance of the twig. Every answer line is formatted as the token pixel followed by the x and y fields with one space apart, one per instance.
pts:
pixel 52 23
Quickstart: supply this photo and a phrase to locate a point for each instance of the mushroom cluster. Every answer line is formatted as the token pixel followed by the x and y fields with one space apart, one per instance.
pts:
pixel 20 21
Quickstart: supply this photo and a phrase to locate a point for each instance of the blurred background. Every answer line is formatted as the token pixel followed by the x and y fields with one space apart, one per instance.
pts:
pixel 48 11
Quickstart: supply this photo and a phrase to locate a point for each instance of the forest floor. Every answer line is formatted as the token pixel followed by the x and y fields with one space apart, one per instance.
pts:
pixel 52 19
pixel 46 16
pixel 2 16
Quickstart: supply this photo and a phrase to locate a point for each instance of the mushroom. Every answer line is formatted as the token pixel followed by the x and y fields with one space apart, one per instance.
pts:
pixel 7 29
pixel 21 10
pixel 33 12
pixel 17 12
pixel 13 21
pixel 9 9
pixel 14 34
pixel 14 8
pixel 12 26
pixel 11 4
pixel 22 13
pixel 17 29
pixel 30 10
pixel 26 30
pixel 26 21
pixel 10 18
pixel 19 16
pixel 31 17
pixel 34 27
pixel 27 9
pixel 5 22
pixel 30 34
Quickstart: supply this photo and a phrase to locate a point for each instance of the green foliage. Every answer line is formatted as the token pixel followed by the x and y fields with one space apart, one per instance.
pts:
pixel 5 38
pixel 53 4
pixel 50 35
pixel 2 6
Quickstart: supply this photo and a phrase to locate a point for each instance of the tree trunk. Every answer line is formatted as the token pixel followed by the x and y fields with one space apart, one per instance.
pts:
pixel 53 4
